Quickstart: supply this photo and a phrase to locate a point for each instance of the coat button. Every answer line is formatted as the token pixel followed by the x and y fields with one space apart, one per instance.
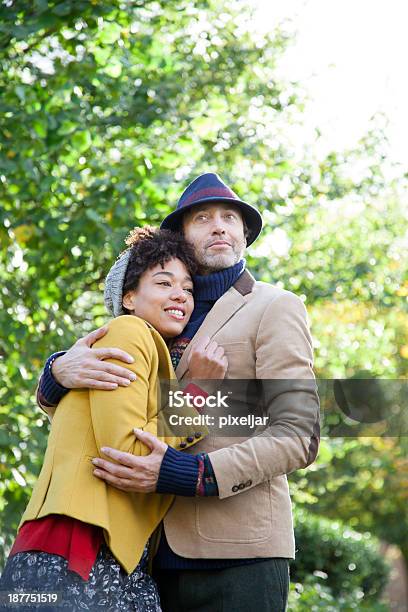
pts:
pixel 248 484
pixel 241 486
pixel 183 444
pixel 234 489
pixel 198 434
pixel 190 439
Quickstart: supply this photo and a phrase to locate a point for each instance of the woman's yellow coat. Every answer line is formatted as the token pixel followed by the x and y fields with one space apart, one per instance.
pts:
pixel 87 420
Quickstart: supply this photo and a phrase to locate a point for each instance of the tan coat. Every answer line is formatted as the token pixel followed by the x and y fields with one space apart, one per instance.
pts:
pixel 87 420
pixel 264 332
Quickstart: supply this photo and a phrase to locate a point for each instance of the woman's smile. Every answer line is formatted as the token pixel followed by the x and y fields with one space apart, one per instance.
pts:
pixel 175 313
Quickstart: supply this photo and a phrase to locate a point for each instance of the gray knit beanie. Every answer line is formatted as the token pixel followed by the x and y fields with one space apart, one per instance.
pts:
pixel 113 294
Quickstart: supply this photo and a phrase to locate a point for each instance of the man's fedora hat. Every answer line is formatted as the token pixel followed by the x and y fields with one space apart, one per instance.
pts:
pixel 209 188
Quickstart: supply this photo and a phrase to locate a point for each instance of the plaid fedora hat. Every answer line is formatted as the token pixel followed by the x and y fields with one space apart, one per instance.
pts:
pixel 209 188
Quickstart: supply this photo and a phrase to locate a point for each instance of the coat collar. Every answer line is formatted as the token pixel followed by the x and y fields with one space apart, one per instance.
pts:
pixel 222 311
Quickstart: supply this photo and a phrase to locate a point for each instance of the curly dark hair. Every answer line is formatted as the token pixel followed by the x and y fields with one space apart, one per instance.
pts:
pixel 150 246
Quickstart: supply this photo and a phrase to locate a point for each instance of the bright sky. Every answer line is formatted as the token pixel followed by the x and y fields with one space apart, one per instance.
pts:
pixel 351 55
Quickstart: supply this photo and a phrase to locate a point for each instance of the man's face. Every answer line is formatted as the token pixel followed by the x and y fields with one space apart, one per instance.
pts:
pixel 216 232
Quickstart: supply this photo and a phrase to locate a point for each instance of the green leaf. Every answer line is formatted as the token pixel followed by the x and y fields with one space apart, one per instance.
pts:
pixel 110 33
pixel 21 92
pixel 81 141
pixel 67 127
pixel 40 128
pixel 113 69
pixel 63 9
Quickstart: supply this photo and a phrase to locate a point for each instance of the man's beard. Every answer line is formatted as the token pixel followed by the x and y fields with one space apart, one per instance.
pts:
pixel 213 262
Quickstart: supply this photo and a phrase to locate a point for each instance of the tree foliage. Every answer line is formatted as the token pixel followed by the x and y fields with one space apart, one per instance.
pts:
pixel 338 562
pixel 107 110
pixel 363 481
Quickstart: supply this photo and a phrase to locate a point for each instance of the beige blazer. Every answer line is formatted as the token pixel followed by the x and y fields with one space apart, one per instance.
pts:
pixel 264 332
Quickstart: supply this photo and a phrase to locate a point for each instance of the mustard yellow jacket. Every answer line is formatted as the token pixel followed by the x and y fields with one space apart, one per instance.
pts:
pixel 87 420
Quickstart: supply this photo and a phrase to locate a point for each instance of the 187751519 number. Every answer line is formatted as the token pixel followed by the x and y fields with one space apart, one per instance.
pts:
pixel 15 599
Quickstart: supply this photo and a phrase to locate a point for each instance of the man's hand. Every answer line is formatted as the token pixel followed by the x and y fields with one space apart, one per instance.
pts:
pixel 83 366
pixel 133 474
pixel 207 360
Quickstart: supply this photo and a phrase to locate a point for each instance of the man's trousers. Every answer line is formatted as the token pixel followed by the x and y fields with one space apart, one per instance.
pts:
pixel 261 586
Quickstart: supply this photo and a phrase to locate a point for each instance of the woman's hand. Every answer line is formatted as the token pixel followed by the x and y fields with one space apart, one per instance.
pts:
pixel 207 360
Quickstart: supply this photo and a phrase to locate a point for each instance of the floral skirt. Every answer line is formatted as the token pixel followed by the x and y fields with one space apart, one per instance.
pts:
pixel 108 588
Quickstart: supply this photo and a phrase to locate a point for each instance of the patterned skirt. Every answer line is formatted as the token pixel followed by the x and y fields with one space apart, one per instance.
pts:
pixel 109 588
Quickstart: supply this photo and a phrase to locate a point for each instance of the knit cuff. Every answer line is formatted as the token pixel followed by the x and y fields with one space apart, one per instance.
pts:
pixel 178 474
pixel 49 389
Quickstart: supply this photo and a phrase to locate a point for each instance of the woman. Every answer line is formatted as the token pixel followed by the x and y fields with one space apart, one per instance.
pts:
pixel 78 536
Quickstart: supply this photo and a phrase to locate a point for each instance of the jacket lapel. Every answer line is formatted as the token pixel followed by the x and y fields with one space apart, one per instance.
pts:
pixel 222 311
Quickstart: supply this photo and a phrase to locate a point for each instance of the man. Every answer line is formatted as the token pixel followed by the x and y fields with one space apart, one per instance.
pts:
pixel 228 537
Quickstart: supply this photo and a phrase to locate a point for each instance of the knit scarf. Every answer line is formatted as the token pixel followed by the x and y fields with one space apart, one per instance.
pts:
pixel 207 290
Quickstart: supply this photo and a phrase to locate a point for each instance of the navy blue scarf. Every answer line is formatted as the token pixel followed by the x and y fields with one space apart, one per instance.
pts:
pixel 207 290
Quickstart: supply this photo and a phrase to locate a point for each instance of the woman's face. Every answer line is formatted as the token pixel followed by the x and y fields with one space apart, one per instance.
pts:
pixel 163 298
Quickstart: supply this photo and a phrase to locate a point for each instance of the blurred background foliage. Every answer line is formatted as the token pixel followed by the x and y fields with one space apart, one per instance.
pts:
pixel 107 111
